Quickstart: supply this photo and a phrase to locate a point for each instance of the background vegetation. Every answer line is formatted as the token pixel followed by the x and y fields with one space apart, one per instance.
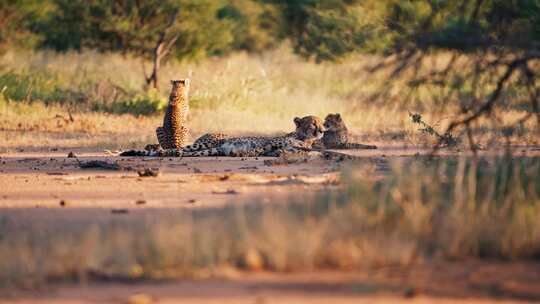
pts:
pixel 452 60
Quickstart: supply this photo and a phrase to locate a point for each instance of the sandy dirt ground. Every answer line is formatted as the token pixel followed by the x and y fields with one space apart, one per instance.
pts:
pixel 45 185
pixel 51 179
pixel 55 181
pixel 463 282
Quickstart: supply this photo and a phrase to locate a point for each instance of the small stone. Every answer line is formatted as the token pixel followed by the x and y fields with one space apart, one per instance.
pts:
pixel 63 203
pixel 71 155
pixel 149 172
pixel 140 298
pixel 410 292
pixel 140 202
pixel 252 260
pixel 228 191
pixel 119 211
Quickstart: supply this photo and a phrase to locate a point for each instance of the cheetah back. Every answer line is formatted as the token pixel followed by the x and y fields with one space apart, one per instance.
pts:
pixel 174 132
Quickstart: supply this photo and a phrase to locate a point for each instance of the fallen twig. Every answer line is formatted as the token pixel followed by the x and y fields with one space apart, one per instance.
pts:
pixel 99 164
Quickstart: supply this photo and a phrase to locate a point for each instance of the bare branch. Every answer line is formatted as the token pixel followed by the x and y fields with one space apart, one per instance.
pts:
pixel 488 105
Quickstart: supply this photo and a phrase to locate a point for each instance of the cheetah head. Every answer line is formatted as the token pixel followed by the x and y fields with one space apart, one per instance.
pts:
pixel 180 83
pixel 179 88
pixel 333 122
pixel 309 128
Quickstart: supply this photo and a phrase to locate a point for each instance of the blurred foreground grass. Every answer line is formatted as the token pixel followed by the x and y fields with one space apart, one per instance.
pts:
pixel 424 209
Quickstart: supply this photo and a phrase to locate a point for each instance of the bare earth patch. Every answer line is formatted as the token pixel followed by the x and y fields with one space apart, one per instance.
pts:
pixel 464 282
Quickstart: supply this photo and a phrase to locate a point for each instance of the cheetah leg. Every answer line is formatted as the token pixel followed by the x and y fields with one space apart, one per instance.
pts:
pixel 180 137
pixel 163 138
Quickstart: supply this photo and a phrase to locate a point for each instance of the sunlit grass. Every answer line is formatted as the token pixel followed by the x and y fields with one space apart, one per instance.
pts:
pixel 238 94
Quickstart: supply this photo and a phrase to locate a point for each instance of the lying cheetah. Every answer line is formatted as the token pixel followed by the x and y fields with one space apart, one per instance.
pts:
pixel 308 130
pixel 336 135
pixel 174 133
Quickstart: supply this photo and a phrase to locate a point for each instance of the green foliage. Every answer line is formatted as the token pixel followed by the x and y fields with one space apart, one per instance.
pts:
pixel 325 30
pixel 42 85
pixel 251 25
pixel 38 85
pixel 136 26
pixel 16 20
pixel 146 103
pixel 340 27
pixel 330 34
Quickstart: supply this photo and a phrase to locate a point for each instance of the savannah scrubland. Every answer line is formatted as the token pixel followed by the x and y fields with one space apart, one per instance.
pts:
pixel 238 94
pixel 410 221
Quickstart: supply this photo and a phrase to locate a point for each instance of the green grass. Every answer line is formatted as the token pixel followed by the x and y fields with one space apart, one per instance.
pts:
pixel 424 209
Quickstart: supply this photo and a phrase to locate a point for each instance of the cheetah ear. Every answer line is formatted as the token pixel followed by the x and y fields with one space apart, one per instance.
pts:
pixel 338 116
pixel 297 121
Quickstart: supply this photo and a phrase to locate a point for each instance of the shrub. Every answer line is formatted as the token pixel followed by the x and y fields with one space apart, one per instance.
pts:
pixel 38 85
pixel 145 103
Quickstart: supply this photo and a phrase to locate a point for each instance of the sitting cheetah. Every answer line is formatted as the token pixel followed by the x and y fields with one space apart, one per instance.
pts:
pixel 174 133
pixel 336 135
pixel 308 130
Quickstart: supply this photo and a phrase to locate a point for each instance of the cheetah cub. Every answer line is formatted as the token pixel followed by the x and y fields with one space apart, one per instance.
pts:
pixel 337 135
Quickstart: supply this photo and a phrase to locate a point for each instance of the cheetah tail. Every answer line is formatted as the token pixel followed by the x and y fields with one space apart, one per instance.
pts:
pixel 356 146
pixel 137 153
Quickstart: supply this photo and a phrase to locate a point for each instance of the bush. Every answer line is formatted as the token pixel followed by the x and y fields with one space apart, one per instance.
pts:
pixel 39 85
pixel 145 103
pixel 104 96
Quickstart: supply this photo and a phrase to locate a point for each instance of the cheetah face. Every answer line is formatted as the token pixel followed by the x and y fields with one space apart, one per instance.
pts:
pixel 333 122
pixel 309 127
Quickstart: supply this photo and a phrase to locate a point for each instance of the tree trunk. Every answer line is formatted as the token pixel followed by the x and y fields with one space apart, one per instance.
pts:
pixel 155 70
pixel 160 51
pixel 152 80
